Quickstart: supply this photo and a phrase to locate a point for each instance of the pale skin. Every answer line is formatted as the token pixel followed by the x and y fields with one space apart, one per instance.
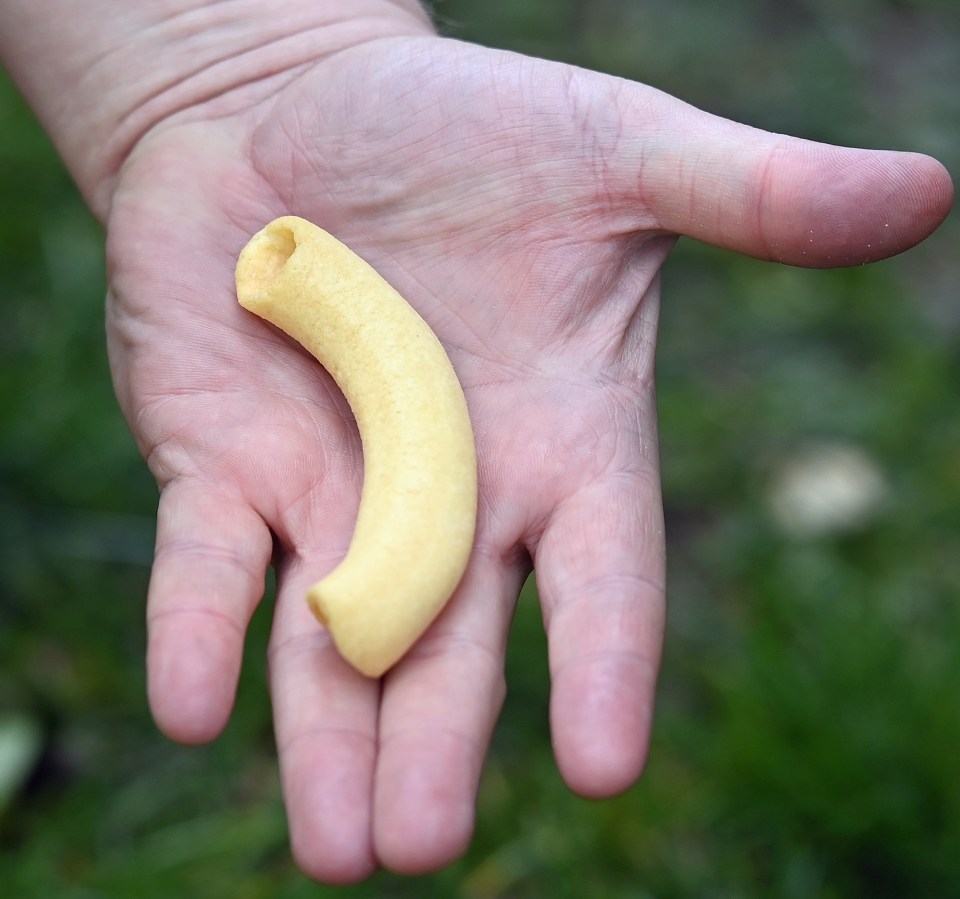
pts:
pixel 525 209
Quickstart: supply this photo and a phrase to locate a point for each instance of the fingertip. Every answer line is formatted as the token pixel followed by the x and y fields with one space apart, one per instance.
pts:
pixel 872 205
pixel 331 845
pixel 192 675
pixel 596 779
pixel 332 869
pixel 327 785
pixel 601 721
pixel 935 187
pixel 425 814
pixel 418 857
pixel 195 725
pixel 827 207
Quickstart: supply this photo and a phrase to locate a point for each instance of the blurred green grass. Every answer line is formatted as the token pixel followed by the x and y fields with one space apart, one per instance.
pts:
pixel 808 723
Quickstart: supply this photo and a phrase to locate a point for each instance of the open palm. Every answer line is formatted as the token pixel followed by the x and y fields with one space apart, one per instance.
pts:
pixel 524 208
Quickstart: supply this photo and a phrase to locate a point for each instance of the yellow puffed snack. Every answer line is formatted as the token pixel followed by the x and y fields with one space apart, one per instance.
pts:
pixel 418 507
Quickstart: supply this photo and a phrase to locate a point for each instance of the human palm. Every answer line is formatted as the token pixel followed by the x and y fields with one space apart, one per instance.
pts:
pixel 524 208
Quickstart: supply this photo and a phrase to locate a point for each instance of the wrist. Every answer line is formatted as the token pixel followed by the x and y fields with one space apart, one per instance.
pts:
pixel 100 75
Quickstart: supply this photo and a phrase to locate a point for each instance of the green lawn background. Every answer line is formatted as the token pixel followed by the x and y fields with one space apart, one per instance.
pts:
pixel 808 720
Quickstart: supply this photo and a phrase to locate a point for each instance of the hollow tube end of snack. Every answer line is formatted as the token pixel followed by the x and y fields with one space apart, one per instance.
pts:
pixel 262 259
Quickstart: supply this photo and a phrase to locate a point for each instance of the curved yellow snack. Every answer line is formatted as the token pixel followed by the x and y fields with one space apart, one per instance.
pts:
pixel 417 515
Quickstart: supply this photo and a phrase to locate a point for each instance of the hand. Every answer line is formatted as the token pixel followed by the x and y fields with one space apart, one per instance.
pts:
pixel 525 208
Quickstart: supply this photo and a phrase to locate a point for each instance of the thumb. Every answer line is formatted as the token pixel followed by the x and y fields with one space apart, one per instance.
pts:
pixel 771 196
